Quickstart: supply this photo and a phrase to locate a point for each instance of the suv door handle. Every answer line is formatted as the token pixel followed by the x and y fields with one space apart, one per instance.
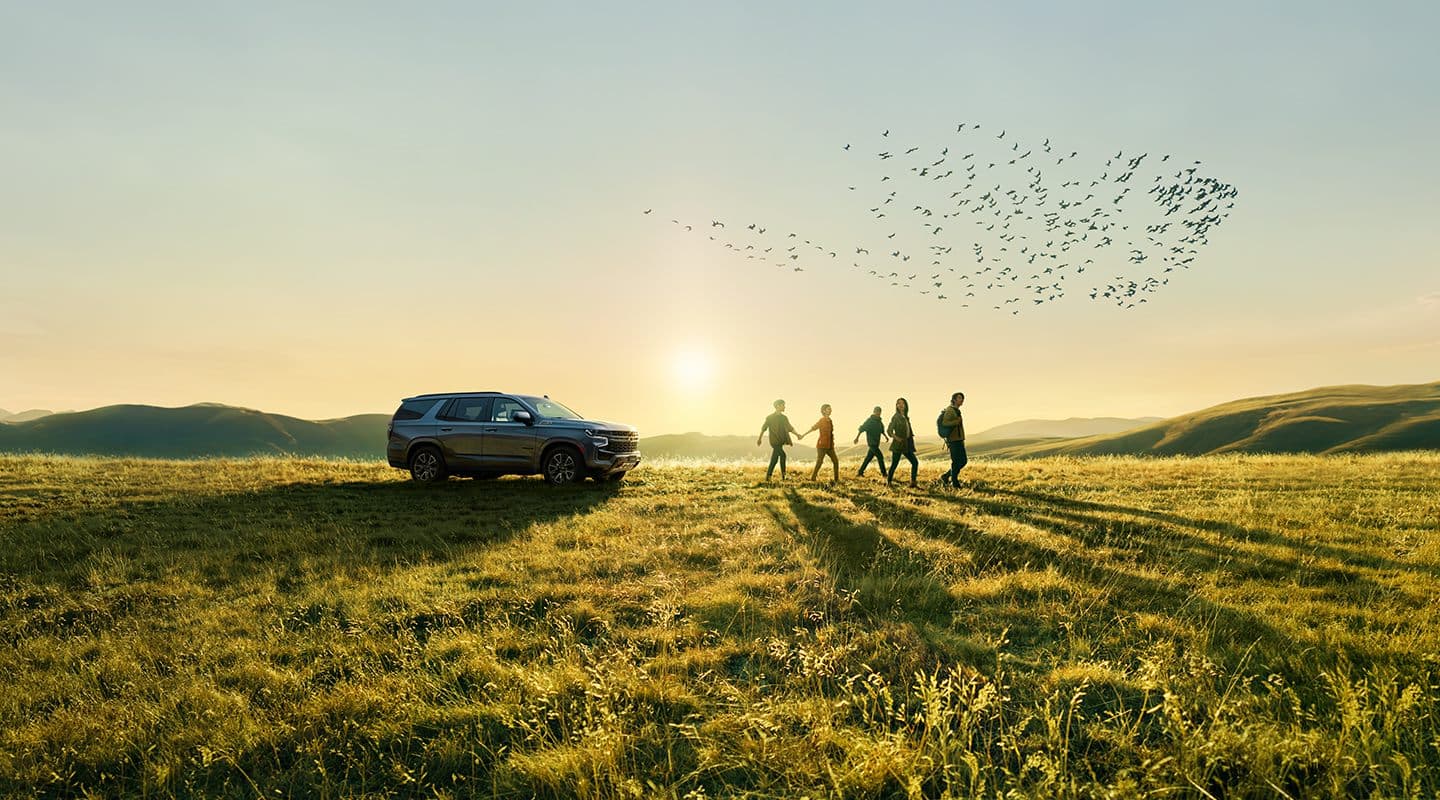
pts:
pixel 491 430
pixel 447 429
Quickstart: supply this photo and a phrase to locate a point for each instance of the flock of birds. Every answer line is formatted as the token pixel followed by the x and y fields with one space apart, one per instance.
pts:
pixel 988 220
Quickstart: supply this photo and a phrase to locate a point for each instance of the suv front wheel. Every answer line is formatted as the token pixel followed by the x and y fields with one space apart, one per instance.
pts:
pixel 563 466
pixel 427 465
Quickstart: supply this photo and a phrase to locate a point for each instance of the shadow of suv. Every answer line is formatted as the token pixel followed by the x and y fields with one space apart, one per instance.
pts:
pixel 489 434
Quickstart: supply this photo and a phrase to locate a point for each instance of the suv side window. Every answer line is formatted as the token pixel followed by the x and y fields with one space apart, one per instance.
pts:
pixel 415 409
pixel 466 409
pixel 504 408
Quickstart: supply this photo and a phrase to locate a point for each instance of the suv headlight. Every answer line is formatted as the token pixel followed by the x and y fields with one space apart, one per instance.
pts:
pixel 599 439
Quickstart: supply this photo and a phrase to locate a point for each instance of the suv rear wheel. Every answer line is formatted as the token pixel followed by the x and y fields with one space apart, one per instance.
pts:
pixel 563 466
pixel 427 465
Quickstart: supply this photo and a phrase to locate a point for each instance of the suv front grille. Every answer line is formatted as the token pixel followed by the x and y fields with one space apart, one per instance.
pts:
pixel 622 442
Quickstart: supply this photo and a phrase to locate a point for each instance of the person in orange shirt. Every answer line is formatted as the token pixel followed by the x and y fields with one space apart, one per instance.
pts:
pixel 826 444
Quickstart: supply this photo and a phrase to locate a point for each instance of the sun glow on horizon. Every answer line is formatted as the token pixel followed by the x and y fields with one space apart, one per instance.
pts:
pixel 692 368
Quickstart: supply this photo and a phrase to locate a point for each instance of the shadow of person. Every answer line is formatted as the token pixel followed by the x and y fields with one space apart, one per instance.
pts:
pixel 1228 529
pixel 849 547
pixel 1229 630
pixel 892 582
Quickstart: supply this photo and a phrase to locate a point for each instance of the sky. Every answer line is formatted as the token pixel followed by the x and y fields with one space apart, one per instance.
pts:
pixel 319 209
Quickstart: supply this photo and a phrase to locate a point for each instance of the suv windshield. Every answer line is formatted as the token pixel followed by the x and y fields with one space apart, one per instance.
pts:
pixel 552 409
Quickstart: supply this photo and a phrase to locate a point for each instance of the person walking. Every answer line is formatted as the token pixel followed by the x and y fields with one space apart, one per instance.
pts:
pixel 902 441
pixel 779 427
pixel 825 445
pixel 873 428
pixel 952 426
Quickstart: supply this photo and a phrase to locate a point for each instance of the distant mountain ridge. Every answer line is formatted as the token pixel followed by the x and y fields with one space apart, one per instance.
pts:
pixel 24 416
pixel 1335 419
pixel 928 445
pixel 714 448
pixel 1330 419
pixel 195 431
pixel 1061 428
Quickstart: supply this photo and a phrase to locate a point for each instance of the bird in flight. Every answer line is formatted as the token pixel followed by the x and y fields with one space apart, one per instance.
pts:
pixel 1015 219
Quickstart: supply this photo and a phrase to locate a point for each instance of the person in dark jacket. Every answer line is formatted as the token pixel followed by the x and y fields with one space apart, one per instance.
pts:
pixel 779 427
pixel 952 419
pixel 873 428
pixel 902 441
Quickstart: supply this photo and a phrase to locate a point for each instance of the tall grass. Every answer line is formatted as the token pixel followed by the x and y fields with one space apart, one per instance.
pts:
pixel 1212 627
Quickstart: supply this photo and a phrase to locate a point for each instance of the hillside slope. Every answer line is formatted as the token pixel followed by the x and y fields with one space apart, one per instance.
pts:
pixel 1331 419
pixel 1071 428
pixel 194 431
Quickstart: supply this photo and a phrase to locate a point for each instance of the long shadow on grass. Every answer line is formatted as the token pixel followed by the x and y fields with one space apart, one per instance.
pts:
pixel 314 526
pixel 898 585
pixel 1231 632
pixel 1170 545
pixel 1239 532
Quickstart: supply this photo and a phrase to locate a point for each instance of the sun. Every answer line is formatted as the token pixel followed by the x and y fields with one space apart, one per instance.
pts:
pixel 692 368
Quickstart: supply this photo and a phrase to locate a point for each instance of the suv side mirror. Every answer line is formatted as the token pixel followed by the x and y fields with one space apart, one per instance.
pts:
pixel 522 416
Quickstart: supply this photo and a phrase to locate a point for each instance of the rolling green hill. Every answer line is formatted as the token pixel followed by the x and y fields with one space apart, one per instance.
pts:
pixel 194 431
pixel 1336 419
pixel 1332 419
pixel 1060 428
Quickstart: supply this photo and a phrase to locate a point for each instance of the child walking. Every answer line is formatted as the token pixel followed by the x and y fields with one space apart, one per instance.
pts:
pixel 826 444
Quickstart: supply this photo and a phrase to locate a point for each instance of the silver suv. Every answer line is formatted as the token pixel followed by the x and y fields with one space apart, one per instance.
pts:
pixel 489 434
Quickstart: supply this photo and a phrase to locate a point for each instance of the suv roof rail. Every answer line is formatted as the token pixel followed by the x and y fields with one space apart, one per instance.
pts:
pixel 450 394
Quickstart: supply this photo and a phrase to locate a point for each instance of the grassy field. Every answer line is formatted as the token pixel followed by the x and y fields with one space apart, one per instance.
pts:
pixel 1216 627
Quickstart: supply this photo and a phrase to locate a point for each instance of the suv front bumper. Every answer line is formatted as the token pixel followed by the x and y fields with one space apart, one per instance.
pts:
pixel 601 462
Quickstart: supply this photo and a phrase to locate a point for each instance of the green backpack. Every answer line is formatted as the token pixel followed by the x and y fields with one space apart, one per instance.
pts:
pixel 940 426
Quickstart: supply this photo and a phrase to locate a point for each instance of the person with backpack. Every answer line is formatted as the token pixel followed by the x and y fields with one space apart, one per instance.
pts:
pixel 825 446
pixel 873 428
pixel 779 427
pixel 902 441
pixel 951 427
